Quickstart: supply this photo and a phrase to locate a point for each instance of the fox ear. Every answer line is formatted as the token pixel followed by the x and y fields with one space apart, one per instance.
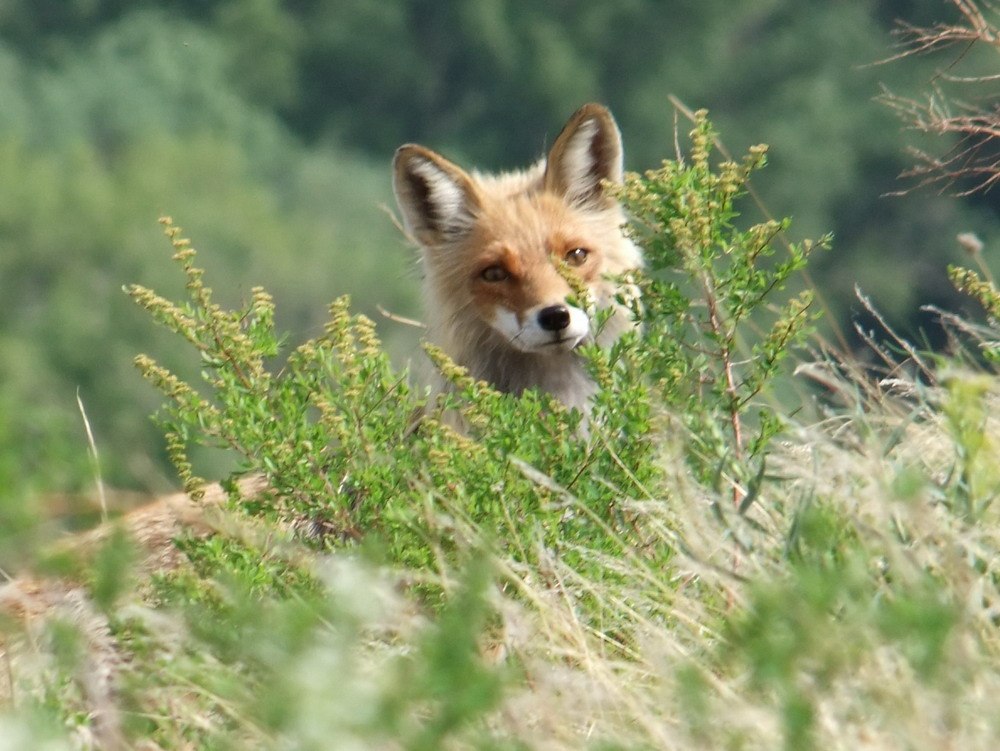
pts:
pixel 587 151
pixel 437 198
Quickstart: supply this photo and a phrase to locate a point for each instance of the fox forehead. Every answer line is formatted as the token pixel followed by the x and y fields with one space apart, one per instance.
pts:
pixel 525 230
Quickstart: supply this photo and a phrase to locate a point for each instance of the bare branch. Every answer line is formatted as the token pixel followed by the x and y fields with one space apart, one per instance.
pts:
pixel 972 163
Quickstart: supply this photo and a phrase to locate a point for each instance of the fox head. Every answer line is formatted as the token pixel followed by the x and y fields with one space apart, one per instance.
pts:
pixel 492 245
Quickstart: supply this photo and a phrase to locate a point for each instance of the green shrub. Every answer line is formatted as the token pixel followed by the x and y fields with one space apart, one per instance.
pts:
pixel 351 448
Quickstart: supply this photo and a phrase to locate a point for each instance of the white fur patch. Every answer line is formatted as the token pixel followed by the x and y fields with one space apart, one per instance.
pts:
pixel 448 198
pixel 578 164
pixel 579 325
pixel 505 321
pixel 529 336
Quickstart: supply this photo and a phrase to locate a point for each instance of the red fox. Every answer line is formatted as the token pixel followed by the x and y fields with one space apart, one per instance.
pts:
pixel 490 244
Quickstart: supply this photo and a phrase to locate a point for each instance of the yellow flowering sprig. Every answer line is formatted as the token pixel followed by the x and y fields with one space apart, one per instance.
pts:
pixel 983 290
pixel 710 293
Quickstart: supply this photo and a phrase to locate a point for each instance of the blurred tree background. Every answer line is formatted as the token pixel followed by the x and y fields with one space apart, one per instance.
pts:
pixel 266 127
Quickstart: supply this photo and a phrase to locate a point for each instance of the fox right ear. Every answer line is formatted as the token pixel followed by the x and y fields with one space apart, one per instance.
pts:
pixel 586 153
pixel 437 198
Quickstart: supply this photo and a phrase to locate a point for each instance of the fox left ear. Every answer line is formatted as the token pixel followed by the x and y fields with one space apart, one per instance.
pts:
pixel 438 199
pixel 586 152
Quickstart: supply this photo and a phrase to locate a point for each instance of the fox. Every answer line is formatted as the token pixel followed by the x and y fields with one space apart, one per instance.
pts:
pixel 491 247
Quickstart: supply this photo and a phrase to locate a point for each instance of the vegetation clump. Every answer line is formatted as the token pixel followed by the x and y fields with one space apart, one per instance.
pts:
pixel 698 567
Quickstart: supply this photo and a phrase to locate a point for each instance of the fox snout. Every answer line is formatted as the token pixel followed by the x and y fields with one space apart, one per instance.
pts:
pixel 546 328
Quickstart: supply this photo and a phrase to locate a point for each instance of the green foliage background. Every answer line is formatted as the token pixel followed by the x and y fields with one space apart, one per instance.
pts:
pixel 266 128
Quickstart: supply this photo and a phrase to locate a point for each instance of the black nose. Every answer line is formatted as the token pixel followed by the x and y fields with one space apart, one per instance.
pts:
pixel 554 317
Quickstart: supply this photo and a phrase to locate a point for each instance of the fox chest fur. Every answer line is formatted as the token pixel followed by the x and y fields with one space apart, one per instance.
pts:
pixel 492 247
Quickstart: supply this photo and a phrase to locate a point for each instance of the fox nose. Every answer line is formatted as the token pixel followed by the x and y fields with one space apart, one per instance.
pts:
pixel 554 318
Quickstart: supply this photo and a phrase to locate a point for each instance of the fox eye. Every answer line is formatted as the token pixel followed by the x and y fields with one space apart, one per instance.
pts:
pixel 577 256
pixel 495 273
